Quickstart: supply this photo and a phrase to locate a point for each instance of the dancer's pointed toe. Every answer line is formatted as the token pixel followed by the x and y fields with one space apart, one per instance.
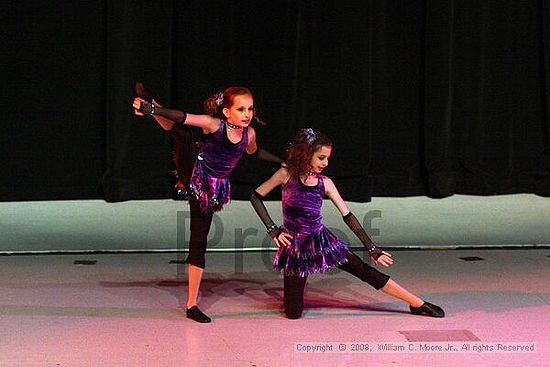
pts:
pixel 428 309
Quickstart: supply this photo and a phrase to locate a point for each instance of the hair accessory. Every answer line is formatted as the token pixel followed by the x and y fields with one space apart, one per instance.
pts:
pixel 219 99
pixel 310 135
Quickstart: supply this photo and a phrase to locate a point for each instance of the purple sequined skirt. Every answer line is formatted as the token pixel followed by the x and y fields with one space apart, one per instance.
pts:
pixel 211 192
pixel 310 253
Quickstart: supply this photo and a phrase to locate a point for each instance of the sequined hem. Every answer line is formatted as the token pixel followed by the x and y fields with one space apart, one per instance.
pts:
pixel 313 253
pixel 211 192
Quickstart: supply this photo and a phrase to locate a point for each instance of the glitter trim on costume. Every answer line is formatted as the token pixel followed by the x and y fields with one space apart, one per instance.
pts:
pixel 211 192
pixel 311 253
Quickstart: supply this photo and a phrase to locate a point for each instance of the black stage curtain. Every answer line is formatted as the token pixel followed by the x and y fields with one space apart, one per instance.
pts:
pixel 420 97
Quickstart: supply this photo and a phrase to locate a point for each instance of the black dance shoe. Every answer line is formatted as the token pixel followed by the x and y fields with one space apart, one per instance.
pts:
pixel 428 309
pixel 143 93
pixel 195 314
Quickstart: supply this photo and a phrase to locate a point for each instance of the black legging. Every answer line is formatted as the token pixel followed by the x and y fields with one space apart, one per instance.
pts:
pixel 200 226
pixel 294 285
pixel 185 138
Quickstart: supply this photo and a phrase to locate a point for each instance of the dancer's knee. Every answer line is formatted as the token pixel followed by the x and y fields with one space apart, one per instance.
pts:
pixel 198 260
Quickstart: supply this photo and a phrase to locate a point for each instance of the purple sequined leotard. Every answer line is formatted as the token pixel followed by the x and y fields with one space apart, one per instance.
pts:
pixel 216 159
pixel 314 248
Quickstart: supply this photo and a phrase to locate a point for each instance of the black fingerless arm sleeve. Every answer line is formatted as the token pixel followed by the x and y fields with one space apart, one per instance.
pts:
pixel 360 232
pixel 257 201
pixel 265 155
pixel 175 115
pixel 148 108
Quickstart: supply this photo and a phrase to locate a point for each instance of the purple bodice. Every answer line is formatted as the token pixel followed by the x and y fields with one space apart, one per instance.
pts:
pixel 313 248
pixel 215 161
pixel 302 205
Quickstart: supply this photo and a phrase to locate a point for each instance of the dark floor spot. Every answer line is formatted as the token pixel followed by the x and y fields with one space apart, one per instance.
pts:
pixel 85 262
pixel 177 262
pixel 471 258
pixel 169 283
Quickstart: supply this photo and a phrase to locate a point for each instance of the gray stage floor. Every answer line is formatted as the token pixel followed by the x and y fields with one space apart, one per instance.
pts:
pixel 122 304
pixel 128 310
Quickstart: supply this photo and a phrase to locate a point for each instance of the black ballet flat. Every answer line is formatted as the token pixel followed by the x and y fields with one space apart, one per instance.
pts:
pixel 195 314
pixel 143 93
pixel 428 309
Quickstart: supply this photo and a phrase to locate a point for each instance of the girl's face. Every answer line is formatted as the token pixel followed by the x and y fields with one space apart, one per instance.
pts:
pixel 241 111
pixel 319 160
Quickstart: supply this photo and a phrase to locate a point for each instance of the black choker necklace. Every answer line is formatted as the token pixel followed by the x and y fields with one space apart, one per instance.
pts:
pixel 311 174
pixel 229 124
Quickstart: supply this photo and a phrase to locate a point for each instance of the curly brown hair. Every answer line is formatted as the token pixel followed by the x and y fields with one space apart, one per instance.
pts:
pixel 211 107
pixel 301 149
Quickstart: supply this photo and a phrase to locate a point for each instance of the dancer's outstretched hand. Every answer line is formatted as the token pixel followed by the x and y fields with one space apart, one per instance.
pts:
pixel 141 107
pixel 143 103
pixel 385 259
pixel 137 106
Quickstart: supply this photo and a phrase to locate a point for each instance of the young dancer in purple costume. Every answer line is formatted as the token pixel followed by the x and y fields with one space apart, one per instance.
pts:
pixel 226 135
pixel 305 245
